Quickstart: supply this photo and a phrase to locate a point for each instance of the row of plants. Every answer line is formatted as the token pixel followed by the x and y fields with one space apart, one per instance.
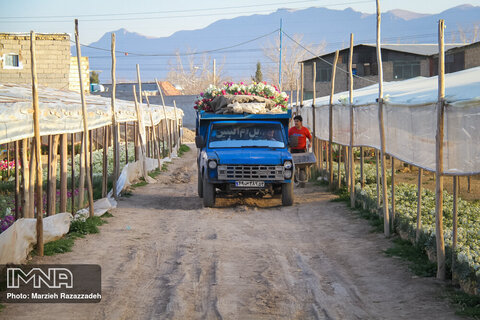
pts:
pixel 261 89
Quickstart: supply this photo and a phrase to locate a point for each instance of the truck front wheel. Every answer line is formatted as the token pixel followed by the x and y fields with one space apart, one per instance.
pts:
pixel 287 194
pixel 200 184
pixel 208 193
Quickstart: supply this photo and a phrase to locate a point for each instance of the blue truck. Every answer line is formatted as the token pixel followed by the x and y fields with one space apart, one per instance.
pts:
pixel 244 154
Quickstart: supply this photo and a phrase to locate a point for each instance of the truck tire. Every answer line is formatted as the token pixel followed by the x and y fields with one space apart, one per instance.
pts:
pixel 208 193
pixel 287 194
pixel 302 178
pixel 200 185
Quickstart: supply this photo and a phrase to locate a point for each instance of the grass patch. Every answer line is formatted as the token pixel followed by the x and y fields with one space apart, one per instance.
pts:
pixel 419 263
pixel 183 148
pixel 343 195
pixel 464 303
pixel 164 167
pixel 374 220
pixel 140 184
pixel 155 173
pixel 62 245
pixel 107 215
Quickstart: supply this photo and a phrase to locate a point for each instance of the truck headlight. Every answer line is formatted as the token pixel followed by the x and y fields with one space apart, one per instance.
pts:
pixel 287 174
pixel 287 165
pixel 212 164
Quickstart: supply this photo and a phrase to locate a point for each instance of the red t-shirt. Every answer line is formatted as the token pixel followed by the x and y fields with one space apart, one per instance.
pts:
pixel 302 135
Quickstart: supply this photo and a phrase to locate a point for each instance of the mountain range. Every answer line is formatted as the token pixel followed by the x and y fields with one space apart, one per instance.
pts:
pixel 320 26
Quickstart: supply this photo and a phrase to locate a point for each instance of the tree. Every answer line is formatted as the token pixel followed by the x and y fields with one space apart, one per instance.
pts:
pixel 94 77
pixel 258 74
pixel 194 74
pixel 292 54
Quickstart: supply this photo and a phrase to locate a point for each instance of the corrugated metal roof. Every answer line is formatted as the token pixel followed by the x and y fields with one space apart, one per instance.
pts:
pixel 423 49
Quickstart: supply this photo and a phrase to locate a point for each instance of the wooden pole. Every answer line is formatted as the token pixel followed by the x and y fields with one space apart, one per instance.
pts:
pixel 314 80
pixel 17 181
pixel 330 119
pixel 157 152
pixel 105 162
pixel 81 166
pixel 63 172
pixel 176 124
pixel 469 184
pixel 297 98
pixel 72 157
pixel 31 195
pixel 8 160
pixel 115 127
pixel 164 113
pixel 135 140
pixel 85 120
pixel 52 183
pixel 392 215
pixel 346 162
pixel 350 149
pixel 38 147
pixel 439 153
pixel 49 173
pixel 126 142
pixel 378 179
pixel 362 160
pixel 419 204
pixel 25 180
pixel 386 217
pixel 339 164
pixel 301 85
pixel 140 125
pixel 455 223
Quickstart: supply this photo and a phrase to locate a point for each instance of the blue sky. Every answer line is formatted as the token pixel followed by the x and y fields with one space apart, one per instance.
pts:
pixel 162 18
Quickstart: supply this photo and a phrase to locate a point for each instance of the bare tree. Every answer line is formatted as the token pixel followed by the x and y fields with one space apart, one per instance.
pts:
pixel 469 36
pixel 194 73
pixel 292 54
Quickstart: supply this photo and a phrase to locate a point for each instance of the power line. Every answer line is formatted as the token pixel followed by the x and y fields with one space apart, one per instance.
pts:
pixel 183 54
pixel 180 11
pixel 317 56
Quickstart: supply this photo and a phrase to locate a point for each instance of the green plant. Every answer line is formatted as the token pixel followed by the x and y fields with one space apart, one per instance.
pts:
pixel 86 226
pixel 183 148
pixel 419 263
pixel 155 173
pixel 465 304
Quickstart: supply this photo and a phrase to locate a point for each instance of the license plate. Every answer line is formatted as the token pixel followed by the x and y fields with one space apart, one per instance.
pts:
pixel 255 184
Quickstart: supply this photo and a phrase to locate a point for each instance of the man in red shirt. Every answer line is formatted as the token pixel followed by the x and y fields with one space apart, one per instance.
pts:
pixel 302 133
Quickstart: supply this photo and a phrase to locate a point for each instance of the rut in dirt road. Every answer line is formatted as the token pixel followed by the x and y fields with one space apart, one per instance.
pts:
pixel 164 256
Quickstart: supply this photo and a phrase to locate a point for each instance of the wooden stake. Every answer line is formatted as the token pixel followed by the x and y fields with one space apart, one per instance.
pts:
pixel 8 160
pixel 339 164
pixel 164 114
pixel 386 217
pixel 176 124
pixel 49 173
pixel 157 152
pixel 72 157
pixel 126 142
pixel 469 184
pixel 392 215
pixel 31 195
pixel 419 204
pixel 85 120
pixel 25 180
pixel 378 178
pixel 115 127
pixel 63 172
pixel 38 147
pixel 142 144
pixel 105 162
pixel 135 140
pixel 314 78
pixel 455 224
pixel 301 84
pixel 439 155
pixel 17 181
pixel 350 149
pixel 81 182
pixel 346 162
pixel 52 183
pixel 362 160
pixel 330 119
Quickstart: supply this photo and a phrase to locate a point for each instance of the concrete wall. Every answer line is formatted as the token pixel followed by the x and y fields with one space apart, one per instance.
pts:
pixel 74 79
pixel 52 58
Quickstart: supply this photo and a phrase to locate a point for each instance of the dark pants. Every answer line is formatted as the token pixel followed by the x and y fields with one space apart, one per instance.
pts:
pixel 298 150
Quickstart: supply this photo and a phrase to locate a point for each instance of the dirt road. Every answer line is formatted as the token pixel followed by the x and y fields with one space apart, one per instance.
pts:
pixel 164 256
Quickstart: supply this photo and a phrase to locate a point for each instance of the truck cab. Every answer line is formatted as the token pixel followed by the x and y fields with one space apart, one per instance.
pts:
pixel 244 153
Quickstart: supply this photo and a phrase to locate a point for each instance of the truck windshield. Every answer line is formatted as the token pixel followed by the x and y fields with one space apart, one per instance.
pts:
pixel 237 135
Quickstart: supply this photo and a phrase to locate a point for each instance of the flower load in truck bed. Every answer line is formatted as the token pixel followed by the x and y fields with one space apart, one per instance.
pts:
pixel 256 98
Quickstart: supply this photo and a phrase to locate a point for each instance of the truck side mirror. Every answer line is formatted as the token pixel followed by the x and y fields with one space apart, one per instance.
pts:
pixel 292 141
pixel 199 142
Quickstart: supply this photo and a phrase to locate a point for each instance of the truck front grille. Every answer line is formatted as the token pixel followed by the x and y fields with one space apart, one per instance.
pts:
pixel 250 172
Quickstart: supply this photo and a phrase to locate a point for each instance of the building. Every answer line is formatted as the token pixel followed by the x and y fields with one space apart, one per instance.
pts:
pixel 55 67
pixel 400 62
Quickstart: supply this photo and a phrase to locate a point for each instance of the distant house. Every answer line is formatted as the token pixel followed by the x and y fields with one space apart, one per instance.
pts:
pixel 55 67
pixel 400 62
pixel 168 89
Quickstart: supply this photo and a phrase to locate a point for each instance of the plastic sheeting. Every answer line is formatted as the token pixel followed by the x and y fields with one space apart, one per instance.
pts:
pixel 410 115
pixel 61 112
pixel 18 240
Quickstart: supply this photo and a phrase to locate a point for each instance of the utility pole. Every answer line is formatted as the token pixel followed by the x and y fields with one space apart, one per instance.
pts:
pixel 280 60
